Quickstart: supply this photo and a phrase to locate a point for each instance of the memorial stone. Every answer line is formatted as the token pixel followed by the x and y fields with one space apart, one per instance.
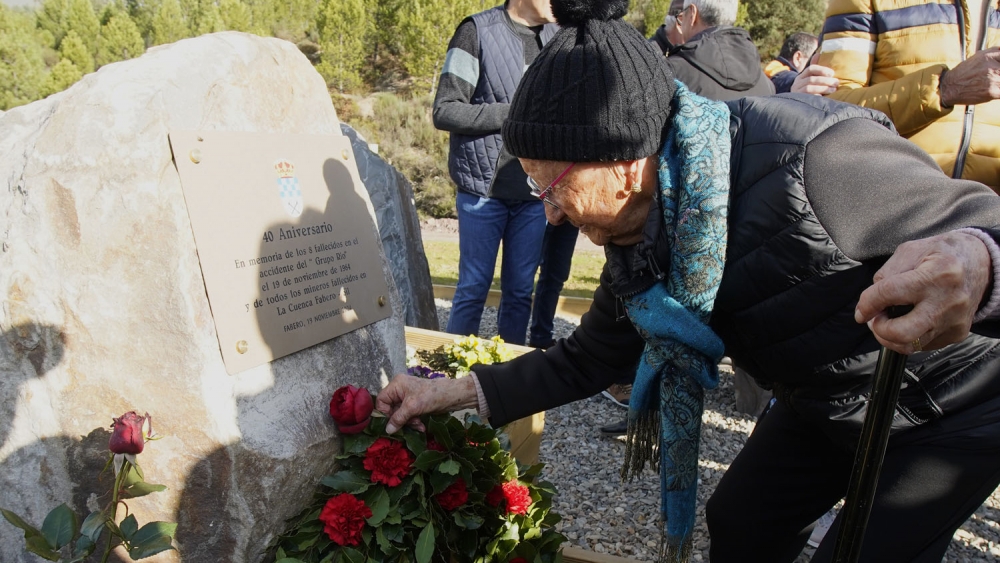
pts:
pixel 103 306
pixel 399 227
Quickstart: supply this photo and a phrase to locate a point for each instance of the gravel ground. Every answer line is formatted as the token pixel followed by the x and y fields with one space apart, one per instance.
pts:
pixel 602 514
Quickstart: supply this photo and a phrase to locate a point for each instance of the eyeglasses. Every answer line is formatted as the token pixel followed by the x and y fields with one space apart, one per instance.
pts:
pixel 543 195
pixel 676 13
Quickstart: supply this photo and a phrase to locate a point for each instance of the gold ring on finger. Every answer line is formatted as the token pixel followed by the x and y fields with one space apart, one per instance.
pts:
pixel 916 344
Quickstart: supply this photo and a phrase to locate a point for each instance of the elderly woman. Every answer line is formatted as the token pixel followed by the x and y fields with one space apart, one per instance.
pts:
pixel 777 231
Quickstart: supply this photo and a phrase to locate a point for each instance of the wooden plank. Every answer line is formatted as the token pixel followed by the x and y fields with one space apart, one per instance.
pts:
pixel 423 339
pixel 577 555
pixel 567 306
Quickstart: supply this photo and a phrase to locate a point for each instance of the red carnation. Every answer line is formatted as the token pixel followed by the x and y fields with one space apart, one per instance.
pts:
pixel 389 461
pixel 517 496
pixel 344 518
pixel 433 445
pixel 454 496
pixel 351 408
pixel 495 496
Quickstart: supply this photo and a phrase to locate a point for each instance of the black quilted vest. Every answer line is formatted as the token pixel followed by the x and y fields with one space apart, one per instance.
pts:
pixel 472 158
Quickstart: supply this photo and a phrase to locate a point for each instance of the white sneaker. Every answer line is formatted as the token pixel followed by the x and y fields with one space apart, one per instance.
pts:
pixel 822 527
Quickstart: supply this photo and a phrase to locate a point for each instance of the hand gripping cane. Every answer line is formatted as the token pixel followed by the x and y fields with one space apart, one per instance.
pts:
pixel 871 450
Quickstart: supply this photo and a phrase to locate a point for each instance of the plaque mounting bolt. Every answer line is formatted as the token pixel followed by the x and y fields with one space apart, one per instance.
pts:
pixel 196 156
pixel 242 347
pixel 381 300
pixel 345 154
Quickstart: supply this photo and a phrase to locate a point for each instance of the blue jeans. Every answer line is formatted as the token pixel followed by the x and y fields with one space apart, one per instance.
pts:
pixel 557 257
pixel 482 224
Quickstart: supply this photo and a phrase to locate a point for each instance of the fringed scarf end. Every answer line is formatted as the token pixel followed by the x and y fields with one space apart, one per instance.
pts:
pixel 642 443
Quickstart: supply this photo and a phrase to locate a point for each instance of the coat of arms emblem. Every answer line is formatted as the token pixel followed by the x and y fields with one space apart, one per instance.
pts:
pixel 288 187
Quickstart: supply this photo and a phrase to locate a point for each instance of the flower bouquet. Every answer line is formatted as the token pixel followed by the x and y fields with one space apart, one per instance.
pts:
pixel 450 494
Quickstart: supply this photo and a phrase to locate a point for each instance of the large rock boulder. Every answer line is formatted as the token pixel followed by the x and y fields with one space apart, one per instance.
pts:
pixel 103 306
pixel 399 227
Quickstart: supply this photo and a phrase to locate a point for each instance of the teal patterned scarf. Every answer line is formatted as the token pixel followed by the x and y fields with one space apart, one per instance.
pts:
pixel 682 353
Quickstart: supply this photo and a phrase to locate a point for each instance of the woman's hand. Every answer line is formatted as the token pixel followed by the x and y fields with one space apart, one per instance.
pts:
pixel 407 397
pixel 944 277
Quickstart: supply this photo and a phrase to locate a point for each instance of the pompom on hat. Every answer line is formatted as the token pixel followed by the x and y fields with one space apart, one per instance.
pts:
pixel 597 92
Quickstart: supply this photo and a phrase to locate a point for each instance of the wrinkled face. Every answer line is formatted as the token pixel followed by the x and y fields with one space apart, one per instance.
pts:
pixel 594 196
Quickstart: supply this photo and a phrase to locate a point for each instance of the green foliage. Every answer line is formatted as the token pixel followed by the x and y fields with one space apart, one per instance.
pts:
pixel 235 15
pixel 62 528
pixel 73 50
pixel 62 76
pixel 22 67
pixel 344 25
pixel 119 41
pixel 771 21
pixel 168 23
pixel 408 140
pixel 81 18
pixel 209 20
pixel 52 18
pixel 410 522
pixel 427 26
pixel 647 15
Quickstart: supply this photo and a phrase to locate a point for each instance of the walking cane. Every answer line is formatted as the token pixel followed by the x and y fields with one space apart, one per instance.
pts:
pixel 871 450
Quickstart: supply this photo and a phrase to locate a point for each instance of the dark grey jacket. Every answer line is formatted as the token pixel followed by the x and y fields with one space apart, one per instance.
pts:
pixel 720 63
pixel 821 195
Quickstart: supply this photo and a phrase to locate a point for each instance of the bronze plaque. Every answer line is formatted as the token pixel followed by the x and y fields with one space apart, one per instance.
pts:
pixel 286 237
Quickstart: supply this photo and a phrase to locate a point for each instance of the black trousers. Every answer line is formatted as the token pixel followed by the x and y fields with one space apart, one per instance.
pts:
pixel 790 473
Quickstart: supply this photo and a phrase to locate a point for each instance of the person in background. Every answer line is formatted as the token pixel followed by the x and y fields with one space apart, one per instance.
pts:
pixel 793 59
pixel 709 55
pixel 777 230
pixel 932 67
pixel 553 271
pixel 486 58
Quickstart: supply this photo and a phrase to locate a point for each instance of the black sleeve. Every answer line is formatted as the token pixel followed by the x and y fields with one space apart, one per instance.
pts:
pixel 604 349
pixel 453 110
pixel 873 190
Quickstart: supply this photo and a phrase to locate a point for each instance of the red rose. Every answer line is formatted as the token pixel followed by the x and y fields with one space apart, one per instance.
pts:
pixel 495 496
pixel 433 445
pixel 351 408
pixel 519 560
pixel 127 433
pixel 344 518
pixel 454 496
pixel 517 496
pixel 389 461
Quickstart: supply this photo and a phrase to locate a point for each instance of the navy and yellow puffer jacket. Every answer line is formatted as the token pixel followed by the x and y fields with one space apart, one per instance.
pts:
pixel 890 55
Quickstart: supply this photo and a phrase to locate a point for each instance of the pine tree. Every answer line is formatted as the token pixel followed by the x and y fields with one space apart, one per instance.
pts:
pixel 73 50
pixel 168 24
pixel 263 14
pixel 80 17
pixel 51 17
pixel 235 15
pixel 119 40
pixel 344 26
pixel 62 76
pixel 22 68
pixel 427 27
pixel 210 19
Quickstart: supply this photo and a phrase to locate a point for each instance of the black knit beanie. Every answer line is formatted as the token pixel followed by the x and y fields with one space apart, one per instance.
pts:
pixel 598 91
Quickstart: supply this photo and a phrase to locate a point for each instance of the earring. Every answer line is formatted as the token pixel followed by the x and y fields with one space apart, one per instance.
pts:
pixel 636 188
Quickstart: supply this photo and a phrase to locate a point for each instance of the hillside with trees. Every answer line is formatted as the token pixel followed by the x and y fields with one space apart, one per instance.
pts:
pixel 394 48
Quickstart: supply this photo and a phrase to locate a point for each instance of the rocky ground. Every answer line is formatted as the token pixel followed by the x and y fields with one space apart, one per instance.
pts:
pixel 602 514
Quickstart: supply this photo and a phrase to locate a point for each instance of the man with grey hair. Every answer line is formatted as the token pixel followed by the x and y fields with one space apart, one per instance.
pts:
pixel 709 55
